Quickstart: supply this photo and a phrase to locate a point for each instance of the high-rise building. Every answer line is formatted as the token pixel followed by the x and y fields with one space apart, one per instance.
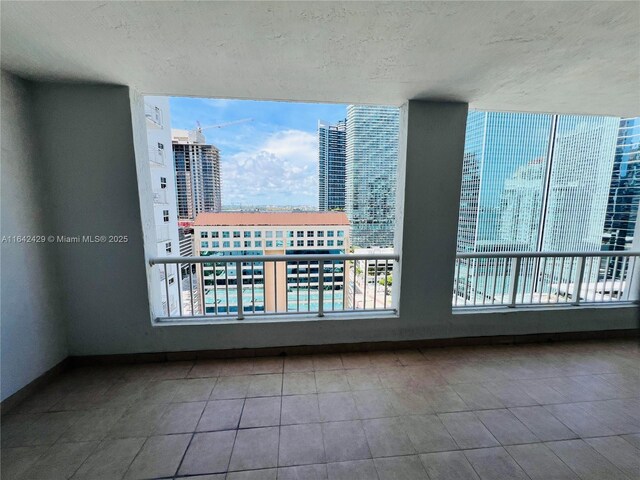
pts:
pixel 331 165
pixel 531 183
pixel 197 167
pixel 624 192
pixel 164 194
pixel 535 182
pixel 371 164
pixel 578 189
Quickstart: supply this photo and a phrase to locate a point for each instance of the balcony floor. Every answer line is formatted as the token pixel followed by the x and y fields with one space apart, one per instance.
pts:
pixel 566 410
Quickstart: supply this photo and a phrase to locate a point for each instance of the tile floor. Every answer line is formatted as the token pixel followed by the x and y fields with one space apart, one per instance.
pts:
pixel 549 411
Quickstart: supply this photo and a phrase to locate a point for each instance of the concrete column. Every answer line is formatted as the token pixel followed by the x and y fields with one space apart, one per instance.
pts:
pixel 430 170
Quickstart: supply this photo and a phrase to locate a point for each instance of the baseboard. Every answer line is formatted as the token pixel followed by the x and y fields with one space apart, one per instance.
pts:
pixel 35 385
pixel 351 347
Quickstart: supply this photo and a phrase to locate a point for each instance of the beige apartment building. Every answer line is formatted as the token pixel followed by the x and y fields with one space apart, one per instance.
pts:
pixel 281 286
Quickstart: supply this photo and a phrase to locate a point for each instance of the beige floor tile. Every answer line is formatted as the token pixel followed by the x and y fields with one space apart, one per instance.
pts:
pixel 407 403
pixel 265 474
pixel 352 470
pixel 374 403
pixel 255 448
pixel 300 409
pixel 510 394
pixel 159 391
pixel 180 418
pixel 330 361
pixel 345 441
pixel 298 363
pixel 205 369
pixel 235 367
pixel 356 360
pixel 542 423
pixel 408 467
pixel 194 390
pixel 578 420
pixel 586 462
pixel 301 445
pixel 260 412
pixel 140 420
pixel 221 415
pixel 110 460
pixel 477 397
pixel 160 456
pixel 15 461
pixel 337 406
pixel 231 387
pixel 507 429
pixel 299 383
pixel 268 365
pixel 93 425
pixel 619 452
pixel 208 453
pixel 387 437
pixel 467 430
pixel 328 381
pixel 633 439
pixel 444 399
pixel 448 466
pixel 364 379
pixel 427 433
pixel 303 472
pixel 265 385
pixel 540 463
pixel 60 461
pixel 495 464
pixel 46 429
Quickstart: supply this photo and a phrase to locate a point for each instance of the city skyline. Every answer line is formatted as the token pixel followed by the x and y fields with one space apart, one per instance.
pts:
pixel 268 160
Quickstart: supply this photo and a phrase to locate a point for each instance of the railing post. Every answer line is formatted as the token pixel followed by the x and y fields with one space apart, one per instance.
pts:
pixel 513 285
pixel 577 280
pixel 321 288
pixel 239 290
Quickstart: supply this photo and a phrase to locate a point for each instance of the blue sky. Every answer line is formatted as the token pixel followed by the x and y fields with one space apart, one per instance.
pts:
pixel 272 160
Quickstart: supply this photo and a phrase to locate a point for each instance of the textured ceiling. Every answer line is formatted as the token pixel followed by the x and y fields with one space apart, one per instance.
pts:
pixel 569 57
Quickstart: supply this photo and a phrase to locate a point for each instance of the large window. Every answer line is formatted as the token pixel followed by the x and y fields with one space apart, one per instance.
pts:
pixel 543 183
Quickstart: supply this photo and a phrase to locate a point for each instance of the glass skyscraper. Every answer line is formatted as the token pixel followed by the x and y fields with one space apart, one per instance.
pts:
pixel 531 182
pixel 331 166
pixel 624 192
pixel 535 182
pixel 371 164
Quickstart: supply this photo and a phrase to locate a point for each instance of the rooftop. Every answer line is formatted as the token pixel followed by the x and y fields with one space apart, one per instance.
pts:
pixel 272 218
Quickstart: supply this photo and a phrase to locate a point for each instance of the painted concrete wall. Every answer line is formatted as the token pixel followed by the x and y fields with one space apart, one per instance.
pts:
pixel 31 327
pixel 93 153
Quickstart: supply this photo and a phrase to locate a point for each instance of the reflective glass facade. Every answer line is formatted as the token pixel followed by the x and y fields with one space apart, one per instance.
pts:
pixel 371 164
pixel 624 192
pixel 533 182
pixel 331 166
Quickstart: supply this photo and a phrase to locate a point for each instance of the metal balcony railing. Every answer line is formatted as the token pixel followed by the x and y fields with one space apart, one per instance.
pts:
pixel 549 279
pixel 239 287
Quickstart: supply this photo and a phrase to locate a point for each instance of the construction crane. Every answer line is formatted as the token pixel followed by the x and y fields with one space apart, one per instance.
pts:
pixel 200 128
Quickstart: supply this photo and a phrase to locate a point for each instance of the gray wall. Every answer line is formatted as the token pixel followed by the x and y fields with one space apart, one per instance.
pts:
pixel 90 148
pixel 31 327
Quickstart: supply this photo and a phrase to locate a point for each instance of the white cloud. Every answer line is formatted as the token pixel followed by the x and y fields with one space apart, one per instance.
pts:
pixel 282 170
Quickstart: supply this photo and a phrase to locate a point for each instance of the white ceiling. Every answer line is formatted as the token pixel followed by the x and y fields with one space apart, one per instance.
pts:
pixel 569 57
